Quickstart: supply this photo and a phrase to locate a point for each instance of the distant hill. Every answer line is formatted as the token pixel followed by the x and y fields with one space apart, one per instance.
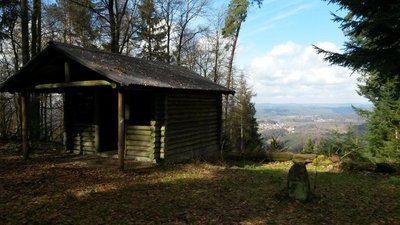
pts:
pixel 265 109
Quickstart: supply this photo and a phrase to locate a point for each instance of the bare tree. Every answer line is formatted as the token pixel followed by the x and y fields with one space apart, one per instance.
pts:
pixel 189 10
pixel 168 11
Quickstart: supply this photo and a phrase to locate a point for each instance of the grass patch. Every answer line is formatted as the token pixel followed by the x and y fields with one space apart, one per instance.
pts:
pixel 394 180
pixel 67 190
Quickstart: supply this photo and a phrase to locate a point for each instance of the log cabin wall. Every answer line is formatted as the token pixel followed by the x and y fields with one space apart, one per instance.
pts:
pixel 84 138
pixel 83 128
pixel 192 128
pixel 144 135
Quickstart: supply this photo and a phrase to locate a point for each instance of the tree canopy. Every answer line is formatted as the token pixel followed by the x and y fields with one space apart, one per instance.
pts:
pixel 373 51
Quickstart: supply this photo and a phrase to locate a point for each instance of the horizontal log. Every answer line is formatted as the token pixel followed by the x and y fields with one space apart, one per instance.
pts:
pixel 84 143
pixel 77 138
pixel 139 138
pixel 138 148
pixel 191 153
pixel 139 158
pixel 140 154
pixel 88 149
pixel 85 83
pixel 138 143
pixel 138 127
pixel 180 111
pixel 192 142
pixel 83 134
pixel 138 132
pixel 191 108
pixel 191 135
pixel 172 131
pixel 185 127
pixel 184 114
pixel 155 134
pixel 192 121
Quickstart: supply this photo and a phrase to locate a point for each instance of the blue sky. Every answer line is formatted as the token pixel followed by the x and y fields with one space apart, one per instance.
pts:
pixel 275 52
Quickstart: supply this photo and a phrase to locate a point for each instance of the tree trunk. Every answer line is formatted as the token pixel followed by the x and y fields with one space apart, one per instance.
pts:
pixel 229 79
pixel 113 30
pixel 25 31
pixel 216 58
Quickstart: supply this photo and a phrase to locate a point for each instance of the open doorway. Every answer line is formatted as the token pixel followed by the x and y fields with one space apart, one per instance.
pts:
pixel 108 113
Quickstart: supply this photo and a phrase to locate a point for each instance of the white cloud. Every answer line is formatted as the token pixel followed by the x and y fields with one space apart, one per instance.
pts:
pixel 292 73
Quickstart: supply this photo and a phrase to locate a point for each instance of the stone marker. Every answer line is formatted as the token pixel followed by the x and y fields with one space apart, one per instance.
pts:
pixel 298 184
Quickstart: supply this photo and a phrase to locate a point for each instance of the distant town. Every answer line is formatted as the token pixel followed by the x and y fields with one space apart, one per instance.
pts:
pixel 294 123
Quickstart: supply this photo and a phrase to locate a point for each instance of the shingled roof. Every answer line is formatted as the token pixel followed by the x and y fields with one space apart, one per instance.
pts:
pixel 120 69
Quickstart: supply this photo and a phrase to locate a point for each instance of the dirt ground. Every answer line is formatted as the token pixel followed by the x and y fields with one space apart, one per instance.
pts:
pixel 60 188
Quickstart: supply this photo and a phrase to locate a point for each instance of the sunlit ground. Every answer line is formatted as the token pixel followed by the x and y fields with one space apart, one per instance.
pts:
pixel 65 189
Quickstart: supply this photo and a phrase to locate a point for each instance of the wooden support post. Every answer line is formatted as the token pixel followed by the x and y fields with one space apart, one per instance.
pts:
pixel 97 119
pixel 24 125
pixel 121 130
pixel 67 130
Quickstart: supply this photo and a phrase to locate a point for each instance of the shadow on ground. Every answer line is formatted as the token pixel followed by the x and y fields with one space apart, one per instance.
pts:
pixel 65 190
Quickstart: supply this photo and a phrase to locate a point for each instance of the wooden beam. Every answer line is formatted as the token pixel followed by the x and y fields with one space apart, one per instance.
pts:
pixel 84 83
pixel 121 129
pixel 24 125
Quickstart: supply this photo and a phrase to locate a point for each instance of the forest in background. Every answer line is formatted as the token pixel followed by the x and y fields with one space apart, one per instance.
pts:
pixel 189 33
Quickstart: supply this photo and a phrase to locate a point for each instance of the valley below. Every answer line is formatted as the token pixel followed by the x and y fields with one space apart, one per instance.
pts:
pixel 293 124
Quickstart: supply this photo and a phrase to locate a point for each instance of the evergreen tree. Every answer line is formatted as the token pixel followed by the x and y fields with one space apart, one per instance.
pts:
pixel 373 50
pixel 245 136
pixel 151 33
pixel 308 146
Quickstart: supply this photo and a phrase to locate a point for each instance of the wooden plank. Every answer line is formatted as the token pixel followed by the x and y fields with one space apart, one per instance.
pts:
pixel 84 148
pixel 138 132
pixel 77 138
pixel 142 159
pixel 84 83
pixel 172 124
pixel 194 116
pixel 183 150
pixel 137 127
pixel 139 138
pixel 193 111
pixel 140 153
pixel 192 142
pixel 84 143
pixel 138 143
pixel 183 128
pixel 88 149
pixel 138 148
pixel 192 107
pixel 189 136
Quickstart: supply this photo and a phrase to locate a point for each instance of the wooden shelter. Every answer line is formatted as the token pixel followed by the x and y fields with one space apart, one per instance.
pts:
pixel 149 111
